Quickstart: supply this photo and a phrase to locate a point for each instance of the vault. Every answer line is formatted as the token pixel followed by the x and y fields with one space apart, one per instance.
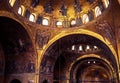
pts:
pixel 60 55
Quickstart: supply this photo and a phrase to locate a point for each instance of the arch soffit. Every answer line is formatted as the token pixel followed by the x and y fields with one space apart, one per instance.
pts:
pixel 11 16
pixel 100 68
pixel 93 56
pixel 80 31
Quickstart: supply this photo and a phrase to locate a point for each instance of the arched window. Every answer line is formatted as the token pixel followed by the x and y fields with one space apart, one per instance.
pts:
pixel 11 2
pixel 59 23
pixel 27 14
pixel 20 10
pixel 45 21
pixel 97 11
pixel 85 18
pixel 73 22
pixel 32 18
pixel 106 3
pixel 73 47
pixel 80 48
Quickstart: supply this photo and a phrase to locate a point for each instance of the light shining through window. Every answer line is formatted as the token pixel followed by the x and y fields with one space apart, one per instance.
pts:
pixel 59 23
pixel 45 21
pixel 73 22
pixel 32 18
pixel 73 47
pixel 85 18
pixel 20 11
pixel 97 11
pixel 106 2
pixel 11 2
pixel 80 48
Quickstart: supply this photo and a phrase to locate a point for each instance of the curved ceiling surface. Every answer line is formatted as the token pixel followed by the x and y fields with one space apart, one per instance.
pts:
pixel 81 11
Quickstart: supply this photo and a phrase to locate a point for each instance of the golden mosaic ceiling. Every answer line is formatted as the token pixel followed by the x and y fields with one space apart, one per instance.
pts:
pixel 56 5
pixel 76 12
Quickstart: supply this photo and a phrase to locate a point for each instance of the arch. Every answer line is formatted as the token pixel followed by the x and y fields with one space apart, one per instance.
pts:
pixel 90 60
pixel 16 41
pixel 98 74
pixel 59 41
pixel 9 15
pixel 80 31
pixel 15 81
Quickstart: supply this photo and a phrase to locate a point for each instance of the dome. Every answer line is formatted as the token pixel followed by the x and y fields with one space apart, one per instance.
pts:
pixel 81 11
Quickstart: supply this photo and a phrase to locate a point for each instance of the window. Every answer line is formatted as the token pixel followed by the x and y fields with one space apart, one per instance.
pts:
pixel 87 47
pixel 11 2
pixel 20 11
pixel 73 22
pixel 95 48
pixel 32 18
pixel 45 21
pixel 106 3
pixel 73 47
pixel 85 18
pixel 80 48
pixel 97 11
pixel 59 23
